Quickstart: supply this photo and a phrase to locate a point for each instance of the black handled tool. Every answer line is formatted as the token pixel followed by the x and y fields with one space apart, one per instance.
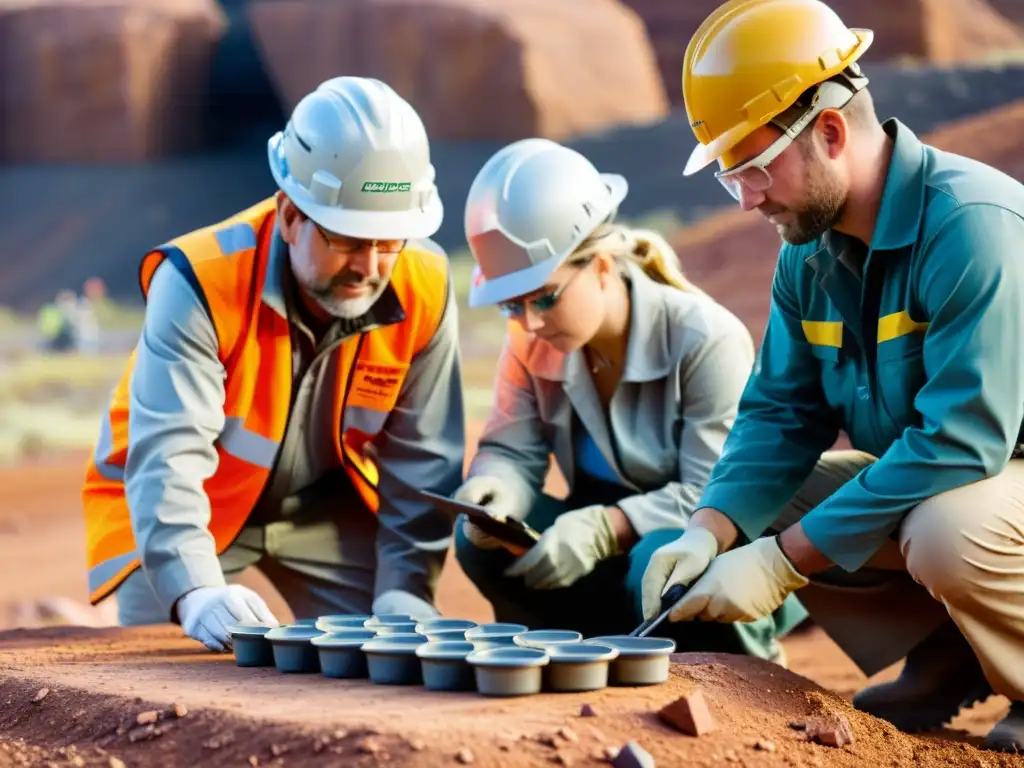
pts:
pixel 668 601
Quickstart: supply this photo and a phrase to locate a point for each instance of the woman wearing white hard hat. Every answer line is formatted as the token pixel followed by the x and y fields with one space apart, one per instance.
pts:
pixel 616 364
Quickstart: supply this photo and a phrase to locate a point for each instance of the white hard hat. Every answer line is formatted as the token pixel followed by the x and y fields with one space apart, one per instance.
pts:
pixel 529 208
pixel 355 159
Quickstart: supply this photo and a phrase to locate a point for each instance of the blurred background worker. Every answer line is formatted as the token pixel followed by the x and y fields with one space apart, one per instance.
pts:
pixel 618 366
pixel 296 384
pixel 897 315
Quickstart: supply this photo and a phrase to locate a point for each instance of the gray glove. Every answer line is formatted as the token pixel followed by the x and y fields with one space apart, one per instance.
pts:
pixel 494 494
pixel 405 603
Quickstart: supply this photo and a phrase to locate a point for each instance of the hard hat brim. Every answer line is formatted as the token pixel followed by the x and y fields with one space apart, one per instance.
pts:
pixel 526 281
pixel 705 154
pixel 365 225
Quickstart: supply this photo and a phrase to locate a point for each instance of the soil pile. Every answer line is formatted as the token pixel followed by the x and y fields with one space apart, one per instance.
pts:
pixel 93 697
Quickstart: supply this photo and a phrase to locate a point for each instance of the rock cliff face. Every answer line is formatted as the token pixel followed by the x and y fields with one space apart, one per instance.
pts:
pixel 941 31
pixel 104 80
pixel 474 69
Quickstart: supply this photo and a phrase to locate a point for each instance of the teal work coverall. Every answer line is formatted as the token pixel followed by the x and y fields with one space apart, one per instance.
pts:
pixel 914 347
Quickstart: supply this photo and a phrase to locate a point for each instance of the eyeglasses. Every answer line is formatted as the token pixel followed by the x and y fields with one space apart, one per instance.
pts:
pixel 344 244
pixel 753 173
pixel 543 303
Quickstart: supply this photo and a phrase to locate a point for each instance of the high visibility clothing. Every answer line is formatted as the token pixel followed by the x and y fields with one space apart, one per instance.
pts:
pixel 227 264
pixel 750 60
pixel 910 345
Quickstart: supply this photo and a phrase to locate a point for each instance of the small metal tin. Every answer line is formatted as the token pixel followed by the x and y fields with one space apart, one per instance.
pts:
pixel 250 645
pixel 334 622
pixel 388 618
pixel 641 660
pixel 495 634
pixel 292 649
pixel 545 638
pixel 508 671
pixel 445 667
pixel 392 660
pixel 578 667
pixel 341 653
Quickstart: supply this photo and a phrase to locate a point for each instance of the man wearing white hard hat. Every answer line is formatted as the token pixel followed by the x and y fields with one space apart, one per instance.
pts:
pixel 616 364
pixel 295 386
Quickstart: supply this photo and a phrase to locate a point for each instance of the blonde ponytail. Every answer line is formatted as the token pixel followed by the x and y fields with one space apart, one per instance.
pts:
pixel 645 248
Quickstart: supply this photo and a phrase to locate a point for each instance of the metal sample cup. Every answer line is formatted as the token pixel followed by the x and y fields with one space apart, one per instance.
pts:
pixel 641 660
pixel 250 645
pixel 545 638
pixel 392 660
pixel 389 618
pixel 397 628
pixel 336 621
pixel 292 649
pixel 495 634
pixel 341 653
pixel 444 666
pixel 509 670
pixel 434 626
pixel 578 666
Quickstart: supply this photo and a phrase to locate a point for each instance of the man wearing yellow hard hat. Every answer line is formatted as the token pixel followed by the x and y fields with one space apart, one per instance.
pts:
pixel 897 316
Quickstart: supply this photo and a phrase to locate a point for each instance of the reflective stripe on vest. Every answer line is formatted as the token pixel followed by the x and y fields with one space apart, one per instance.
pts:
pixel 226 264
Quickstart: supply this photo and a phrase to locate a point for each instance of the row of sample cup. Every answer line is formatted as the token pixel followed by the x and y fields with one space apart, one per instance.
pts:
pixel 496 659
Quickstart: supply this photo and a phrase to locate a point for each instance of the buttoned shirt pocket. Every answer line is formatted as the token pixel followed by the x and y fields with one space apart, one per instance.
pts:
pixel 901 374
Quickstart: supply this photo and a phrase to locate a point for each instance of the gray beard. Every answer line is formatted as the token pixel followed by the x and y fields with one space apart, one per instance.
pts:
pixel 348 309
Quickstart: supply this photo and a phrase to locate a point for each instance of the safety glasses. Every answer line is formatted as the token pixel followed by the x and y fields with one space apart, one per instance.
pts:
pixel 344 244
pixel 542 303
pixel 753 173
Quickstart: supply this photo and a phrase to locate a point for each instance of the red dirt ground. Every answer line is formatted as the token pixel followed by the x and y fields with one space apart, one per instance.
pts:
pixel 99 680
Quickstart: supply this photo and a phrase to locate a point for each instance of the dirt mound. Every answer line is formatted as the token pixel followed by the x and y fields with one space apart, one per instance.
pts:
pixel 474 69
pixel 151 697
pixel 732 255
pixel 933 30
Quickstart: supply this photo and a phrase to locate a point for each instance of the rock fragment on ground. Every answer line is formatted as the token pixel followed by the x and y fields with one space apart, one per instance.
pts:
pixel 587 711
pixel 689 714
pixel 146 718
pixel 834 731
pixel 464 756
pixel 632 755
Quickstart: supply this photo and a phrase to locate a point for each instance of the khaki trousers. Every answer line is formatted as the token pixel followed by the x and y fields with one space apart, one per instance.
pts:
pixel 959 555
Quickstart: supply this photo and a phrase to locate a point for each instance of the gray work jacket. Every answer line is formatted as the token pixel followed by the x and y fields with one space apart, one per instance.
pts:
pixel 687 362
pixel 177 415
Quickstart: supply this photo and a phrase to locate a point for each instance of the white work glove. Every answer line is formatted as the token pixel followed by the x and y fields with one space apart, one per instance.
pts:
pixel 494 494
pixel 207 612
pixel 678 562
pixel 745 584
pixel 568 550
pixel 405 603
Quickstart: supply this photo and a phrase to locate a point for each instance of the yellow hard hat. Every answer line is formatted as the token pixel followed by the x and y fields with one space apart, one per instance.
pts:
pixel 750 60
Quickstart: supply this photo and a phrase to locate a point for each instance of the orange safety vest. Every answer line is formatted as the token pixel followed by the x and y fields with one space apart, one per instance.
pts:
pixel 228 262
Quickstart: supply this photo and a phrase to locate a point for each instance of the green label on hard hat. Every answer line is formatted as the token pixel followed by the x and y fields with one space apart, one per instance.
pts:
pixel 386 186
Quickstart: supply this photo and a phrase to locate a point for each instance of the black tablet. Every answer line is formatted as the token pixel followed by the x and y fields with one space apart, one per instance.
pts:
pixel 515 533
